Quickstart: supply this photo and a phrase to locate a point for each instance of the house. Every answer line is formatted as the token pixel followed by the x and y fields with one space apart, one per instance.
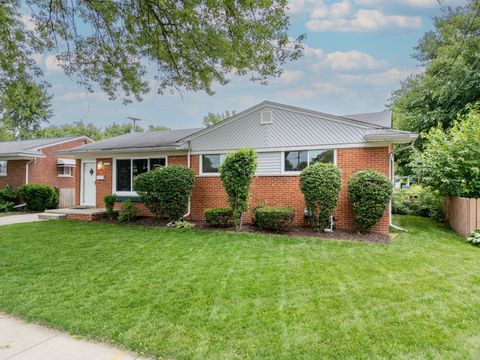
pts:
pixel 33 161
pixel 286 138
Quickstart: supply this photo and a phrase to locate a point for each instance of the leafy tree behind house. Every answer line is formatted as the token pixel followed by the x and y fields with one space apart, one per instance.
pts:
pixel 212 118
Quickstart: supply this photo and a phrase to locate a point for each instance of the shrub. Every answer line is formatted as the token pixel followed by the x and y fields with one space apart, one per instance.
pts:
pixel 7 195
pixel 128 212
pixel 276 218
pixel 219 217
pixel 418 200
pixel 166 190
pixel 6 206
pixel 369 192
pixel 321 184
pixel 237 172
pixel 474 237
pixel 38 197
pixel 109 201
pixel 184 225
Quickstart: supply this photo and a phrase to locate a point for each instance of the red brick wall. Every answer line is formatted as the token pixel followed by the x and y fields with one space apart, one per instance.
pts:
pixel 104 187
pixel 41 170
pixel 272 190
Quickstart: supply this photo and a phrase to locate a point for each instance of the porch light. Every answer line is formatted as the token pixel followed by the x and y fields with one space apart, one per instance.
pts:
pixel 100 165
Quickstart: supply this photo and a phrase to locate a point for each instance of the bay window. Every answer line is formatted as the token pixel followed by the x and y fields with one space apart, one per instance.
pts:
pixel 128 169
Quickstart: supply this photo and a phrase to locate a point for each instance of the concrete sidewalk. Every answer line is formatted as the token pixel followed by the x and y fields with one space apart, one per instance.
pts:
pixel 18 219
pixel 22 341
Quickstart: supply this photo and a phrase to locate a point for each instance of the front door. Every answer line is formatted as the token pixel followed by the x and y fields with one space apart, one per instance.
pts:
pixel 88 183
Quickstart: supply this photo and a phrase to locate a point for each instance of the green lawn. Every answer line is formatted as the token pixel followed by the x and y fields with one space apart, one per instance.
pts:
pixel 222 295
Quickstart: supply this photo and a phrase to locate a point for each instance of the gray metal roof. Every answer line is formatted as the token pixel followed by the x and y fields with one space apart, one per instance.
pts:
pixel 29 147
pixel 381 118
pixel 397 136
pixel 138 140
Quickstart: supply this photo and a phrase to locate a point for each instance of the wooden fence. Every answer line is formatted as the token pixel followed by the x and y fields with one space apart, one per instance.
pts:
pixel 462 214
pixel 67 198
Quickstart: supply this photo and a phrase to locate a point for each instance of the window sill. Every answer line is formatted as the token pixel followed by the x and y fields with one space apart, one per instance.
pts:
pixel 126 193
pixel 209 175
pixel 3 174
pixel 65 176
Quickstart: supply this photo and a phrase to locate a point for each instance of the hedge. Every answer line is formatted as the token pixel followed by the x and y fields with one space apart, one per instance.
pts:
pixel 38 197
pixel 219 217
pixel 276 218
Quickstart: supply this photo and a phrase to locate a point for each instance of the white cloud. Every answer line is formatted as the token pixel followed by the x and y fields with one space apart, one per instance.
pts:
pixel 52 64
pixel 350 60
pixel 326 88
pixel 387 77
pixel 81 95
pixel 316 89
pixel 28 22
pixel 289 76
pixel 413 3
pixel 300 6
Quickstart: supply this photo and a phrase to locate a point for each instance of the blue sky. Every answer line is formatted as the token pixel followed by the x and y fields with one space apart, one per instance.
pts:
pixel 356 54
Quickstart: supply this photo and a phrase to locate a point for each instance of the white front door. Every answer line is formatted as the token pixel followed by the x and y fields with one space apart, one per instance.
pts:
pixel 88 183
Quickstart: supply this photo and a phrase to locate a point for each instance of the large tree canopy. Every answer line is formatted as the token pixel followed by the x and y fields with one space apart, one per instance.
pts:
pixel 450 81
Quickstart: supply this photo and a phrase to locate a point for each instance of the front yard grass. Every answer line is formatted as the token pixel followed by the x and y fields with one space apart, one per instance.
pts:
pixel 218 295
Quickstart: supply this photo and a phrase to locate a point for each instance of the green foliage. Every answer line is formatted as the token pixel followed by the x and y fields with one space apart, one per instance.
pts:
pixel 276 218
pixel 7 194
pixel 166 189
pixel 219 217
pixel 237 172
pixel 109 201
pixel 38 197
pixel 6 206
pixel 212 118
pixel 369 192
pixel 321 184
pixel 450 161
pixel 184 225
pixel 474 238
pixel 418 200
pixel 451 79
pixel 128 212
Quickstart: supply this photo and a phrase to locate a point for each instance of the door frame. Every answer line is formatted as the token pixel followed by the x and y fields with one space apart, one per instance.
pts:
pixel 82 182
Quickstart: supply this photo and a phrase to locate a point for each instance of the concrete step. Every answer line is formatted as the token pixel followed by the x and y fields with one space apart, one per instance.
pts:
pixel 51 216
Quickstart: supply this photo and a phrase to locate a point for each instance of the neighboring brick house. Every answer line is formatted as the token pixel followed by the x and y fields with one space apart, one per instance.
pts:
pixel 33 161
pixel 286 138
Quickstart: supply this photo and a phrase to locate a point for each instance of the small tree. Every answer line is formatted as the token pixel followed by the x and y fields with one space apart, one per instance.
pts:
pixel 167 189
pixel 369 192
pixel 321 184
pixel 237 172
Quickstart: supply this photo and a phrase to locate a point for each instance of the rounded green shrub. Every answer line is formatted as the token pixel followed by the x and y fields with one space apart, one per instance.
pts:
pixel 7 194
pixel 109 201
pixel 38 197
pixel 321 184
pixel 369 192
pixel 219 217
pixel 166 190
pixel 275 218
pixel 237 172
pixel 128 212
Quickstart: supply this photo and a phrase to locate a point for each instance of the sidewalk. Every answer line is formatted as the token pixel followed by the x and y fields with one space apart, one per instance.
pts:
pixel 22 341
pixel 17 219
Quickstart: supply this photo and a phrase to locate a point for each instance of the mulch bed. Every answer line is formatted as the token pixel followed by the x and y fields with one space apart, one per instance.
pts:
pixel 293 231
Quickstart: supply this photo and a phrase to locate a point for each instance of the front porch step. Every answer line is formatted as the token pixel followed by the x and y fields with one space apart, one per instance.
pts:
pixel 51 216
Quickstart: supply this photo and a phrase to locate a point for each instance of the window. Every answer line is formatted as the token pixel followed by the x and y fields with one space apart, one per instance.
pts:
pixel 128 169
pixel 211 163
pixel 64 171
pixel 298 160
pixel 3 167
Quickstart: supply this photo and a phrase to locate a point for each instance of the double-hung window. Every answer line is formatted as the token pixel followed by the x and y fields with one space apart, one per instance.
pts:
pixel 128 169
pixel 211 163
pixel 3 167
pixel 296 161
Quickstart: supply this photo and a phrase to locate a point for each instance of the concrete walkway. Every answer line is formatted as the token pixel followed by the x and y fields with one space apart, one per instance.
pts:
pixel 22 341
pixel 18 219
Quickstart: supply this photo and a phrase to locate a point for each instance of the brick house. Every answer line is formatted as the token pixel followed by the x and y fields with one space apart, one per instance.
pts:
pixel 286 138
pixel 33 161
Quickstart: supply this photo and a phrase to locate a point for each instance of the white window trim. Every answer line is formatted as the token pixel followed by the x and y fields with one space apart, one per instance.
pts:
pixel 114 172
pixel 210 174
pixel 296 173
pixel 6 168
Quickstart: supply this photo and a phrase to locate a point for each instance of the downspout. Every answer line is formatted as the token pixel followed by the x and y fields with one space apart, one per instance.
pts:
pixel 391 170
pixel 189 200
pixel 26 170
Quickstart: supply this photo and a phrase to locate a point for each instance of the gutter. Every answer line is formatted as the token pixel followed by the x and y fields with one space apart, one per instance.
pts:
pixel 189 200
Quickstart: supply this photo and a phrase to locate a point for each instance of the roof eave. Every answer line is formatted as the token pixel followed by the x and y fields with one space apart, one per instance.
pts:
pixel 73 152
pixel 20 156
pixel 394 139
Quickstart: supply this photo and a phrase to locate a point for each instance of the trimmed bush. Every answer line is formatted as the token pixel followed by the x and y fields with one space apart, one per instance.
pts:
pixel 128 212
pixel 321 184
pixel 166 190
pixel 369 192
pixel 219 217
pixel 109 201
pixel 38 197
pixel 7 195
pixel 418 200
pixel 6 206
pixel 237 172
pixel 276 218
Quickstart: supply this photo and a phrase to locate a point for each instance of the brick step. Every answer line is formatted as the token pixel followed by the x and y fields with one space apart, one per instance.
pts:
pixel 51 216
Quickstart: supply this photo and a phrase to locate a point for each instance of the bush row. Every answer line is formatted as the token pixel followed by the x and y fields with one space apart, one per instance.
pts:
pixel 418 200
pixel 7 199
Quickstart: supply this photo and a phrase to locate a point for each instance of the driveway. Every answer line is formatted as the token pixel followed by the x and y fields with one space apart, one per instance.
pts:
pixel 18 219
pixel 22 341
